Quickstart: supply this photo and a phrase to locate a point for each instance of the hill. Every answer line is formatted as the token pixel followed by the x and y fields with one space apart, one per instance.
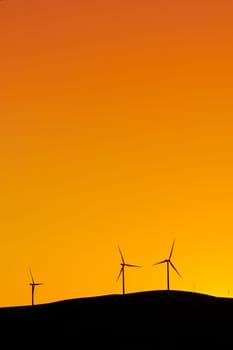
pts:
pixel 159 319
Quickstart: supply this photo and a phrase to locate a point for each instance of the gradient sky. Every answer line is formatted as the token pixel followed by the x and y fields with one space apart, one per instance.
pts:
pixel 116 127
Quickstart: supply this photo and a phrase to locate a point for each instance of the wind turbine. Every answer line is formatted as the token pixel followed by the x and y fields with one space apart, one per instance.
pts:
pixel 168 262
pixel 33 284
pixel 122 270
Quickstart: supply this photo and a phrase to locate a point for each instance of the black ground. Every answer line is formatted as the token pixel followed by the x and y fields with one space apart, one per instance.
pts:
pixel 146 320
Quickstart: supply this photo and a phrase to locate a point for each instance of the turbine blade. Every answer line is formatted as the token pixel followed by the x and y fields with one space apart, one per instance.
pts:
pixel 132 265
pixel 122 258
pixel 160 262
pixel 120 273
pixel 31 275
pixel 171 250
pixel 175 269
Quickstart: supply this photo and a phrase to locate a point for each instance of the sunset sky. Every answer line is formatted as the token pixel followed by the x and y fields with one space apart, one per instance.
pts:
pixel 116 128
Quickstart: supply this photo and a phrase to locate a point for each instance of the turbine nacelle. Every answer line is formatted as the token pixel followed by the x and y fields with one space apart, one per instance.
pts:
pixel 129 265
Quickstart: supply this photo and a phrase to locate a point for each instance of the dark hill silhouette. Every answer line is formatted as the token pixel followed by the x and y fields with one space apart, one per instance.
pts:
pixel 157 319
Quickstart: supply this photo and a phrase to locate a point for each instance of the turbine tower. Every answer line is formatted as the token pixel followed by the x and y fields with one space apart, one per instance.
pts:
pixel 33 284
pixel 168 262
pixel 122 270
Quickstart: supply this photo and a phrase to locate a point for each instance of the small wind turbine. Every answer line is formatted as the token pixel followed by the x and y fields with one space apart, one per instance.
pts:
pixel 168 262
pixel 122 270
pixel 33 284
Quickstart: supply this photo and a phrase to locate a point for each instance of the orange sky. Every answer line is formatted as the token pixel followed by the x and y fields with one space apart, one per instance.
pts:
pixel 115 128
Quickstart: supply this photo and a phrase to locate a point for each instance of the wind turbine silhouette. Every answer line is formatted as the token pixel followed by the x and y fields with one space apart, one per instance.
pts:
pixel 122 270
pixel 33 284
pixel 168 262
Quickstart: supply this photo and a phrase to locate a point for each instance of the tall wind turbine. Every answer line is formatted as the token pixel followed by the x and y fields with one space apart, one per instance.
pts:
pixel 33 284
pixel 168 262
pixel 122 270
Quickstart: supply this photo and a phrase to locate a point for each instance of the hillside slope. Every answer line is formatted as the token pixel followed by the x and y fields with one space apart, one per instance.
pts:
pixel 156 318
